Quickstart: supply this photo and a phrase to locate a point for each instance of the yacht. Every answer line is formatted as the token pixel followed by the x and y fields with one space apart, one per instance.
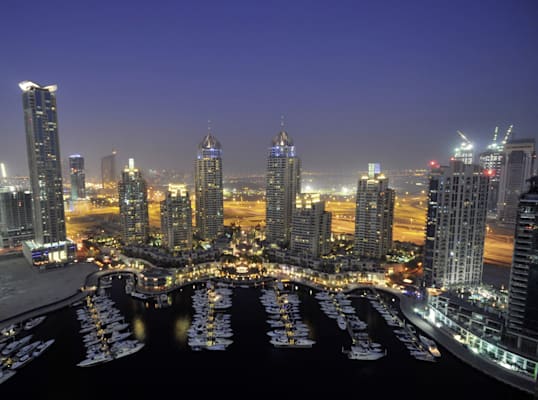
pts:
pixel 95 359
pixel 5 374
pixel 430 345
pixel 342 323
pixel 29 348
pixel 126 348
pixel 11 347
pixel 32 323
pixel 360 353
pixel 22 361
pixel 42 347
pixel 140 296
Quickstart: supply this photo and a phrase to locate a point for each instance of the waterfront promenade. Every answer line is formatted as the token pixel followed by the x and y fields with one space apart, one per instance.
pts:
pixel 446 339
pixel 25 293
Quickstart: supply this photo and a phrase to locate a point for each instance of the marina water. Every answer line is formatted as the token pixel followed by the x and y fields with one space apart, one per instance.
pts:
pixel 250 367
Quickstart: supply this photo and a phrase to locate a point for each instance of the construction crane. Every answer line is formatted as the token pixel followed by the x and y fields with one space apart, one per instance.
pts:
pixel 495 133
pixel 507 135
pixel 467 141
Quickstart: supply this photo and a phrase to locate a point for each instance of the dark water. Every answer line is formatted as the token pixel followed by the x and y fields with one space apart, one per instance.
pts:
pixel 250 368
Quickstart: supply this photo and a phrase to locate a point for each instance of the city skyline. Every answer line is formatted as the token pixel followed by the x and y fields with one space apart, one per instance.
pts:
pixel 414 94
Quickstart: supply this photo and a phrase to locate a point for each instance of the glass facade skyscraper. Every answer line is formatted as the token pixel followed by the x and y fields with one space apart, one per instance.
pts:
pixel 133 199
pixel 456 225
pixel 283 184
pixel 523 295
pixel 78 177
pixel 311 226
pixel 176 219
pixel 109 174
pixel 44 162
pixel 209 190
pixel 519 166
pixel 374 214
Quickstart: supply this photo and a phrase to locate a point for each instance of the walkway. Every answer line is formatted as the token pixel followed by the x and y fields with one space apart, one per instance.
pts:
pixel 446 340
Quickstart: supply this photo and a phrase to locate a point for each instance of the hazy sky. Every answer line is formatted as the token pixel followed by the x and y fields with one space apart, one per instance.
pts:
pixel 358 81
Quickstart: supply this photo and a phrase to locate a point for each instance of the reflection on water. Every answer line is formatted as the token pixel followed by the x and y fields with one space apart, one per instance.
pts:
pixel 139 328
pixel 181 328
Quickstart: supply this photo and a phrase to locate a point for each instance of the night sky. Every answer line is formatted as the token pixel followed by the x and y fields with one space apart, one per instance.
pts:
pixel 357 81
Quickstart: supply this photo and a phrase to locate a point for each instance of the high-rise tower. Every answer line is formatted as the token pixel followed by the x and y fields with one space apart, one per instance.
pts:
pixel 283 184
pixel 519 166
pixel 523 296
pixel 78 177
pixel 109 174
pixel 374 214
pixel 311 226
pixel 208 186
pixel 49 246
pixel 176 218
pixel 133 199
pixel 456 225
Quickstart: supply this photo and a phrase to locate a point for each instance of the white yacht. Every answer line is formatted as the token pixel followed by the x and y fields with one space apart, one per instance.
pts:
pixel 342 324
pixel 42 347
pixel 430 345
pixel 22 361
pixel 359 353
pixel 32 323
pixel 95 359
pixel 11 347
pixel 5 374
pixel 126 348
pixel 29 348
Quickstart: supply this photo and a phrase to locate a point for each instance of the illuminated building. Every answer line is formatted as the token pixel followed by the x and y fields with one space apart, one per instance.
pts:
pixel 523 296
pixel 492 161
pixel 283 183
pixel 16 223
pixel 109 174
pixel 176 219
pixel 456 225
pixel 208 187
pixel 78 178
pixel 464 152
pixel 519 166
pixel 50 245
pixel 311 226
pixel 133 199
pixel 374 215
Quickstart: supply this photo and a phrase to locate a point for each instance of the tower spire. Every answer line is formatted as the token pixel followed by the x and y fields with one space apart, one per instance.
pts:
pixel 282 122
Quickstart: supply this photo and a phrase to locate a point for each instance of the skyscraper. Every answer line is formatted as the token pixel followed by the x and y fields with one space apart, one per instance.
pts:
pixel 208 186
pixel 49 246
pixel 16 219
pixel 283 183
pixel 311 226
pixel 78 177
pixel 374 214
pixel 109 174
pixel 523 296
pixel 456 225
pixel 133 199
pixel 519 166
pixel 492 161
pixel 176 219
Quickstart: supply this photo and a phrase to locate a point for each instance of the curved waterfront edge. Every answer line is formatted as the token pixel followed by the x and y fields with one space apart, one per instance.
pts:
pixel 407 307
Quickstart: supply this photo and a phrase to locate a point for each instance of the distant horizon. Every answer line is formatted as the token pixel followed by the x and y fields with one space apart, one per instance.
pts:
pixel 357 82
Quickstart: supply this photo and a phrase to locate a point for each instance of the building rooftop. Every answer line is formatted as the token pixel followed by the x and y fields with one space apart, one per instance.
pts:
pixel 282 139
pixel 209 142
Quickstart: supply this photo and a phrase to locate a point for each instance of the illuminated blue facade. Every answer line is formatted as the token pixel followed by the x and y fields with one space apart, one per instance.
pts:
pixel 283 184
